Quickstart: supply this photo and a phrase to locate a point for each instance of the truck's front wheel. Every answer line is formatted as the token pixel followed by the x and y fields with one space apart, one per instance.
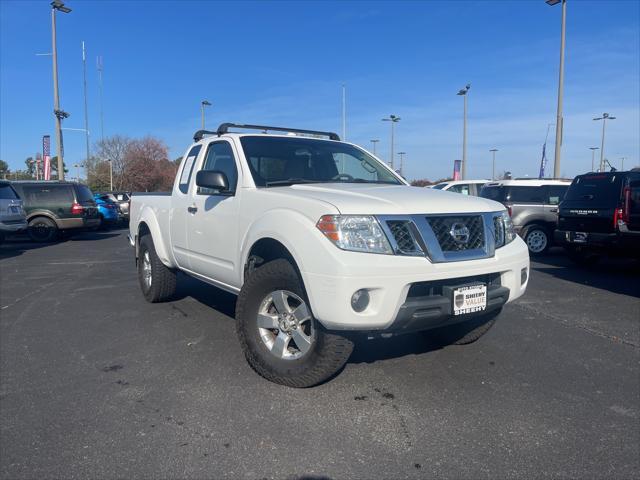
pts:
pixel 157 281
pixel 278 334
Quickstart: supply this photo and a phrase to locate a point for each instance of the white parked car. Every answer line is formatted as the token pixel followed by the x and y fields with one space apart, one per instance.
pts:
pixel 466 187
pixel 319 239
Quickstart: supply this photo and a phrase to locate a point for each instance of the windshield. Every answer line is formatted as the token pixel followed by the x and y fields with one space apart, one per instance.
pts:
pixel 278 161
pixel 440 186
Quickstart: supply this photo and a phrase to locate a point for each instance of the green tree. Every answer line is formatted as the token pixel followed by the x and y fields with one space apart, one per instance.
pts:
pixel 31 166
pixel 54 166
pixel 4 168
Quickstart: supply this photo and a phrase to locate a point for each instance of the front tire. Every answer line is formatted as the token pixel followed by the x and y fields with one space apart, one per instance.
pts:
pixel 157 281
pixel 537 238
pixel 279 336
pixel 42 229
pixel 465 332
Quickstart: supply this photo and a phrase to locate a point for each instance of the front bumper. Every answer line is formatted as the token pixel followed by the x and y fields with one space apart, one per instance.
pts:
pixel 388 280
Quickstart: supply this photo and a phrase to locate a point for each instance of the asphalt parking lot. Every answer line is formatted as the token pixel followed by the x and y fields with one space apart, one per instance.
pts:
pixel 97 383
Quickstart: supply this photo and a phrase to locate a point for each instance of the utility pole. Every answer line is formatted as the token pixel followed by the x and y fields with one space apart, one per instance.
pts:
pixel 559 119
pixel 59 114
pixel 463 93
pixel 373 142
pixel 493 169
pixel 622 159
pixel 204 103
pixel 99 67
pixel 86 109
pixel 393 119
pixel 402 154
pixel 604 118
pixel 593 157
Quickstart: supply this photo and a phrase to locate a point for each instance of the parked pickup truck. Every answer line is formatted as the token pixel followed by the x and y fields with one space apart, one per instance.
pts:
pixel 319 239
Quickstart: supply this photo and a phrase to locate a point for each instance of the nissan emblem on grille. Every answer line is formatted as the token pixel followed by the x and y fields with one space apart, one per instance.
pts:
pixel 460 233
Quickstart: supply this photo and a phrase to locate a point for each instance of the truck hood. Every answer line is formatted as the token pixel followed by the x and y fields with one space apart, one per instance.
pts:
pixel 376 199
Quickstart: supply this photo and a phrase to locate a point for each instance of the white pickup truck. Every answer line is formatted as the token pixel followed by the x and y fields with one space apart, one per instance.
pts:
pixel 320 239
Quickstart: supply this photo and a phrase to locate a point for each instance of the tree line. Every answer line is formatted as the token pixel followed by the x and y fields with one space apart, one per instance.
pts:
pixel 137 165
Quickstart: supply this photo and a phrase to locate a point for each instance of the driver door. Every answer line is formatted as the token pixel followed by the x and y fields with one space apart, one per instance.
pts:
pixel 213 219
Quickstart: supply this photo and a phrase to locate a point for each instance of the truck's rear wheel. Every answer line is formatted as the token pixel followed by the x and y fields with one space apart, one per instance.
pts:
pixel 157 281
pixel 465 332
pixel 537 238
pixel 278 334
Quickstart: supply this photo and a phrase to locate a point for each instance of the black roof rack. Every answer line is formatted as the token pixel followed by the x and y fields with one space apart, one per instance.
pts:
pixel 224 128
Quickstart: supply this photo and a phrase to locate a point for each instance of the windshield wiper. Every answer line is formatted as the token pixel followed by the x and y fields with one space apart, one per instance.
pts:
pixel 289 181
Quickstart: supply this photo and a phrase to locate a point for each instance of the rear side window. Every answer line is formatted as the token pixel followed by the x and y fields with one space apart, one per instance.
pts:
pixel 44 195
pixel 187 169
pixel 493 193
pixel 7 193
pixel 220 157
pixel 462 188
pixel 555 193
pixel 526 194
pixel 605 189
pixel 83 193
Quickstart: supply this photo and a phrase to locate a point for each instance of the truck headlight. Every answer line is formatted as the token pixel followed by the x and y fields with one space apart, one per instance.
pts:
pixel 504 231
pixel 356 233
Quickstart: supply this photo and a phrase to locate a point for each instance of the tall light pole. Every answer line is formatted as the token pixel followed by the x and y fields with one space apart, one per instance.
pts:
pixel 344 113
pixel 622 159
pixel 604 118
pixel 464 92
pixel 373 142
pixel 593 157
pixel 493 168
pixel 402 154
pixel 99 67
pixel 204 103
pixel 59 114
pixel 77 165
pixel 559 120
pixel 86 108
pixel 393 119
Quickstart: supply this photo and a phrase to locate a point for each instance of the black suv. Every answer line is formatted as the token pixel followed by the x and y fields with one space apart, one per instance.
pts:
pixel 600 214
pixel 53 206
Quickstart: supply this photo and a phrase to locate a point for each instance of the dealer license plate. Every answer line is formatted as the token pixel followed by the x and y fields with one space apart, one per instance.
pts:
pixel 469 299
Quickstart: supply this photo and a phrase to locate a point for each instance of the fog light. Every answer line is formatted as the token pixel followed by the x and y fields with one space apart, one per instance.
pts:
pixel 523 276
pixel 360 300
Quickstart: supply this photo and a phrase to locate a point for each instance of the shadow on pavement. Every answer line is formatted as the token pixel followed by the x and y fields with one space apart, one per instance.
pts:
pixel 617 275
pixel 213 297
pixel 17 244
pixel 370 351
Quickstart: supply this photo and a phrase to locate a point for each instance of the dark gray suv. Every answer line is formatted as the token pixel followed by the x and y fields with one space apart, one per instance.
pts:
pixel 533 206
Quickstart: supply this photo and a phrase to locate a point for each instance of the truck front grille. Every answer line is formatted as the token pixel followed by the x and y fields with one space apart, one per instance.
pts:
pixel 404 237
pixel 458 233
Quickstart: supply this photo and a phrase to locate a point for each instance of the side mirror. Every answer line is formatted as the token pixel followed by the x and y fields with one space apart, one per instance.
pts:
pixel 213 180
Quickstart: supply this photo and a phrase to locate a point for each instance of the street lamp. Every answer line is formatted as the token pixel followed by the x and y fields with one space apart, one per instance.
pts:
pixel 204 103
pixel 604 118
pixel 402 154
pixel 393 119
pixel 373 142
pixel 559 120
pixel 493 169
pixel 59 114
pixel 464 92
pixel 593 157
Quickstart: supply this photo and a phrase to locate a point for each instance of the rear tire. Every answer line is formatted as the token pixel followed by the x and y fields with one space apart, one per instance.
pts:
pixel 42 229
pixel 466 332
pixel 279 336
pixel 537 238
pixel 157 281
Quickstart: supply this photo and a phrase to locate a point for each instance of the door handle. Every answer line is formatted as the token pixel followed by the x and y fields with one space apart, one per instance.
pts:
pixel 192 209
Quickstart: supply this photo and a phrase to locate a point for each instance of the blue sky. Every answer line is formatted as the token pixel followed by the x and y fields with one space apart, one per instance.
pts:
pixel 283 63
